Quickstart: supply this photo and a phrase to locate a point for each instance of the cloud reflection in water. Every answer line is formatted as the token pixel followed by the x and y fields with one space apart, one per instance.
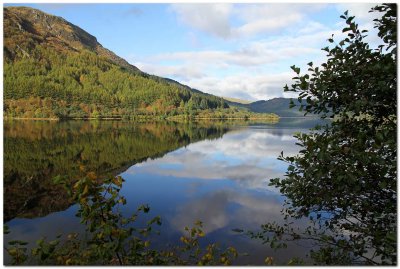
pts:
pixel 248 157
pixel 223 183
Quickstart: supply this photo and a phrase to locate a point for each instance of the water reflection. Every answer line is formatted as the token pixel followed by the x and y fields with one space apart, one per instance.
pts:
pixel 223 183
pixel 247 156
pixel 37 151
pixel 217 173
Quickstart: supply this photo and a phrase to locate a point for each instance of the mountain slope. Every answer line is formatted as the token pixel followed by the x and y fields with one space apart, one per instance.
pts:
pixel 53 68
pixel 26 27
pixel 279 106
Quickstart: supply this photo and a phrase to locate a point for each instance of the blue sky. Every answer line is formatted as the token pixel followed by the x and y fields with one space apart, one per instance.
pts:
pixel 233 50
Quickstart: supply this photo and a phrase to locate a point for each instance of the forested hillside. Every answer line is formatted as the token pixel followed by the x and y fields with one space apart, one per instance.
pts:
pixel 279 106
pixel 54 69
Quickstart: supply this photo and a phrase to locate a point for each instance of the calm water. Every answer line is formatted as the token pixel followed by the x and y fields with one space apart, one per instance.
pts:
pixel 214 172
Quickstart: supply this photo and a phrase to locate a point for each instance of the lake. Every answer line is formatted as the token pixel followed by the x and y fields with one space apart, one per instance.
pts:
pixel 216 172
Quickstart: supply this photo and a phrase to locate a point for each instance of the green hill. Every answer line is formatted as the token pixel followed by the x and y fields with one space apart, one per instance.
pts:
pixel 54 69
pixel 279 106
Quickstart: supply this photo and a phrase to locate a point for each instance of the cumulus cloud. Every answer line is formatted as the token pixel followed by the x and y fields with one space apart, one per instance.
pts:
pixel 265 18
pixel 251 69
pixel 217 19
pixel 180 72
pixel 211 18
pixel 248 71
pixel 264 25
pixel 244 84
pixel 252 54
pixel 255 87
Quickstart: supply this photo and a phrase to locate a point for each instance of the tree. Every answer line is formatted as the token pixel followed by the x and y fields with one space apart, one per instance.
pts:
pixel 344 177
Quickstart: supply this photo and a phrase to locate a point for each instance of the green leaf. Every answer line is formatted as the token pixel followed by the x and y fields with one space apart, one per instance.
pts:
pixel 383 184
pixel 6 229
pixel 391 236
pixel 295 69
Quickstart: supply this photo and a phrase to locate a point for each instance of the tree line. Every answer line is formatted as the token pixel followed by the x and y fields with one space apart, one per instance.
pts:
pixel 49 84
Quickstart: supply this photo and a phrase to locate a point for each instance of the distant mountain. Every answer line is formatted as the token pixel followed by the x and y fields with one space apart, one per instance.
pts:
pixel 53 68
pixel 279 106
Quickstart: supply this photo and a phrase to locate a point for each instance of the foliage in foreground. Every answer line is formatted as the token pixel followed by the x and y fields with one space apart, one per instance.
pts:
pixel 344 179
pixel 111 238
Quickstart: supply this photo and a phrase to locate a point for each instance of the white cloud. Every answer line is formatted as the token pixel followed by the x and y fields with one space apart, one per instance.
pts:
pixel 257 69
pixel 219 19
pixel 211 18
pixel 254 87
pixel 247 71
pixel 313 27
pixel 265 25
pixel 264 18
pixel 181 72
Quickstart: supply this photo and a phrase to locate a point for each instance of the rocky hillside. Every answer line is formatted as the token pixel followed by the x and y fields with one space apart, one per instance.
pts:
pixel 24 28
pixel 53 68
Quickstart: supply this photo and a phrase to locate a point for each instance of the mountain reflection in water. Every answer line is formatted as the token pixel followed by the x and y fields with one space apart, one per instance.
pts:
pixel 214 172
pixel 37 151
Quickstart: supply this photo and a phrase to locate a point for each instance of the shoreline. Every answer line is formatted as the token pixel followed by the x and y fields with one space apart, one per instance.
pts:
pixel 146 118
